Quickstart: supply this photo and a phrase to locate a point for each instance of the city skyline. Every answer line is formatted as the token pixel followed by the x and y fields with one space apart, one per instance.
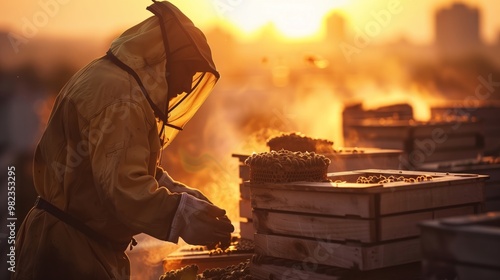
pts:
pixel 415 22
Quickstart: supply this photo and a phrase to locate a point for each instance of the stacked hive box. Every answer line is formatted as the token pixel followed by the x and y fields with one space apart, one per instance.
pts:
pixel 266 172
pixel 486 113
pixel 345 159
pixel 463 247
pixel 422 142
pixel 362 226
pixel 355 114
pixel 269 268
pixel 342 159
pixel 246 220
pixel 486 165
pixel 452 134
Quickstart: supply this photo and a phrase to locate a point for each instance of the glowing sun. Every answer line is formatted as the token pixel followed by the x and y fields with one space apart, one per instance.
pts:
pixel 293 19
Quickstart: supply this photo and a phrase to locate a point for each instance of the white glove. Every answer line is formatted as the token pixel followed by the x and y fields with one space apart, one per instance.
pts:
pixel 200 223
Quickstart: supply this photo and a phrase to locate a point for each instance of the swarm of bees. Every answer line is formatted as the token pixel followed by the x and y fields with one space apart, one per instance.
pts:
pixel 381 179
pixel 287 166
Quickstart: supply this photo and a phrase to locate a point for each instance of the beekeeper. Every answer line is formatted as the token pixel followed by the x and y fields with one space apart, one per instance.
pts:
pixel 95 167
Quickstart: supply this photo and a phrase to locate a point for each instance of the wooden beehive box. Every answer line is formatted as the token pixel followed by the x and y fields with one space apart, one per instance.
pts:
pixel 343 159
pixel 486 113
pixel 267 268
pixel 487 166
pixel 422 142
pixel 363 226
pixel 465 247
pixel 355 158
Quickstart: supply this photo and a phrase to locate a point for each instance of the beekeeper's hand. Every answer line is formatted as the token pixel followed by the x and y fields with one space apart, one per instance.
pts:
pixel 177 187
pixel 200 223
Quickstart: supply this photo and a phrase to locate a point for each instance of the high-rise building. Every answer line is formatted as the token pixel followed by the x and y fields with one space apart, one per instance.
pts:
pixel 458 27
pixel 335 27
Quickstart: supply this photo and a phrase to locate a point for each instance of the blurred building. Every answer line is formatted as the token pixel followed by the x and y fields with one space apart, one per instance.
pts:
pixel 457 28
pixel 335 27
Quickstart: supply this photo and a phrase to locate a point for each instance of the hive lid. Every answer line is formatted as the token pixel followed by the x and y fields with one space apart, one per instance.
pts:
pixel 349 181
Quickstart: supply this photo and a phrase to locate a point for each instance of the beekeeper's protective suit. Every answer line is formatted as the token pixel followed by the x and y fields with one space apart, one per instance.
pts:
pixel 95 167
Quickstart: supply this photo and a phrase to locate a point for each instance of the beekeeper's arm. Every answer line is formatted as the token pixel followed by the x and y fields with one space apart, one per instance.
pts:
pixel 165 180
pixel 120 155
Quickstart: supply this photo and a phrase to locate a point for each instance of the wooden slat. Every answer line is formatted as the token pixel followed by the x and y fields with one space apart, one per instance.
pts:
pixel 245 208
pixel 241 158
pixel 245 192
pixel 287 269
pixel 391 254
pixel 247 230
pixel 333 254
pixel 363 161
pixel 454 154
pixel 422 160
pixel 406 225
pixel 335 204
pixel 452 142
pixel 336 254
pixel 402 226
pixel 272 271
pixel 371 131
pixel 451 129
pixel 244 172
pixel 381 142
pixel 455 211
pixel 402 129
pixel 325 228
pixel 432 197
pixel 355 229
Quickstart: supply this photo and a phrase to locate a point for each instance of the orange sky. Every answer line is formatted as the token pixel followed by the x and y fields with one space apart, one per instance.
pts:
pixel 106 18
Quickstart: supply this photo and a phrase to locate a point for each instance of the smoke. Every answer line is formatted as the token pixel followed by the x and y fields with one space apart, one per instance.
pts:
pixel 268 87
pixel 147 258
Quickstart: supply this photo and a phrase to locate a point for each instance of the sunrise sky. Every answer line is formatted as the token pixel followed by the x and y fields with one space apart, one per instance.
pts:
pixel 294 18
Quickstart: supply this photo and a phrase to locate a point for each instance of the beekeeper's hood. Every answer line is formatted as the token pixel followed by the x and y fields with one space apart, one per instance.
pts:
pixel 161 51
